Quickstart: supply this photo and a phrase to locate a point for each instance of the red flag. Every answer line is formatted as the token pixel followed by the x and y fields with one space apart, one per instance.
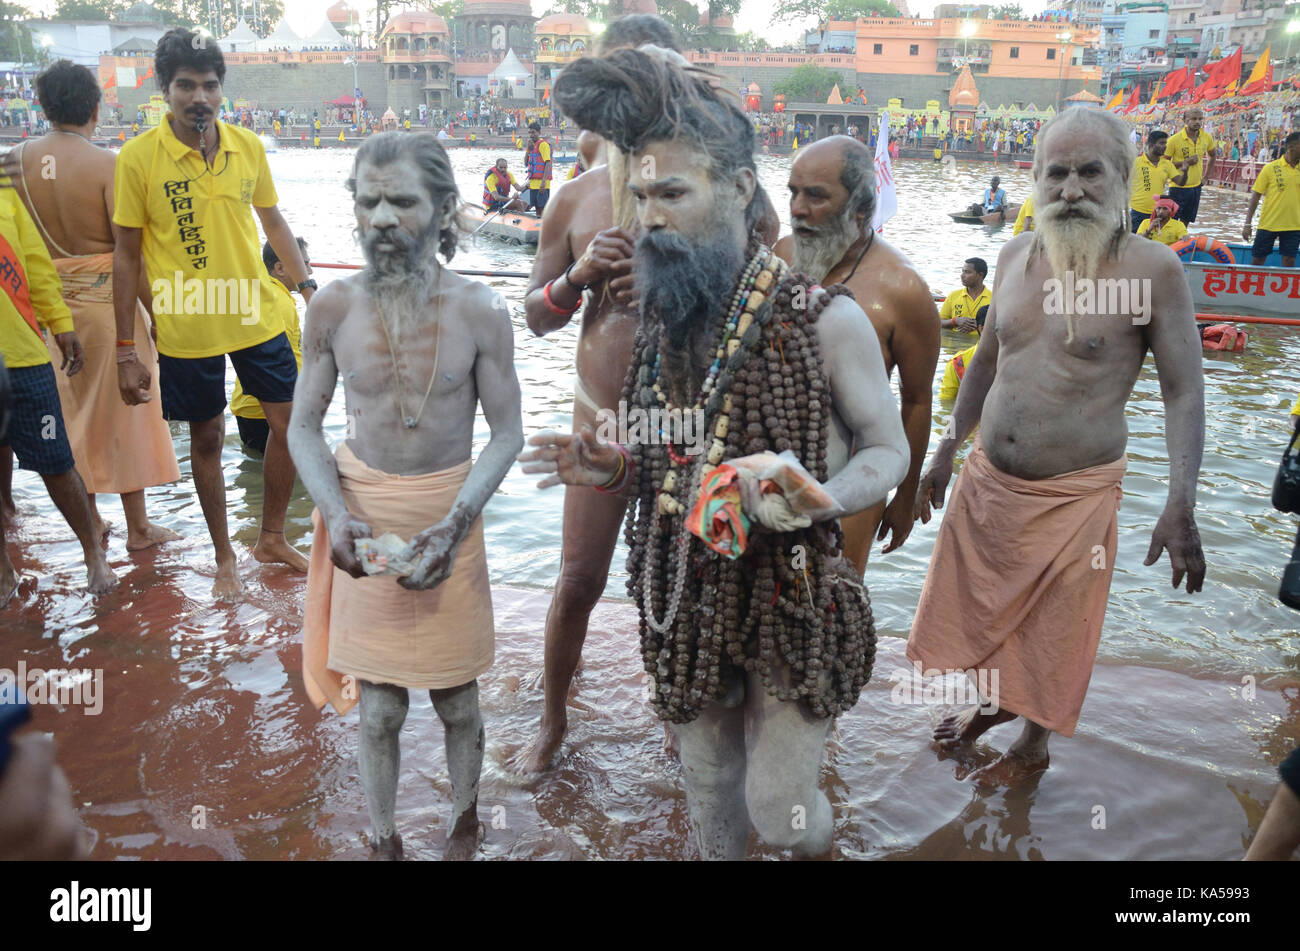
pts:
pixel 1177 82
pixel 110 82
pixel 1132 102
pixel 1225 70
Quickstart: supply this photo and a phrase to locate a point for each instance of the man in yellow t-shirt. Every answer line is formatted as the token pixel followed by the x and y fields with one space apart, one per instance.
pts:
pixel 537 162
pixel 1024 220
pixel 249 417
pixel 1151 170
pixel 32 304
pixel 182 194
pixel 959 308
pixel 956 368
pixel 1197 148
pixel 1162 226
pixel 1279 223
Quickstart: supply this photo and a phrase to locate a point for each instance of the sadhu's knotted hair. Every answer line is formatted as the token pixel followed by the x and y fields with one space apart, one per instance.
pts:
pixel 634 97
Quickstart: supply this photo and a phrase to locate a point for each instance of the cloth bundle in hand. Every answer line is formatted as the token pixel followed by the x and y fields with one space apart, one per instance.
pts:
pixel 774 489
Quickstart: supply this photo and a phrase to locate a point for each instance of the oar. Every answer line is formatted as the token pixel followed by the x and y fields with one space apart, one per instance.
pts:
pixel 486 220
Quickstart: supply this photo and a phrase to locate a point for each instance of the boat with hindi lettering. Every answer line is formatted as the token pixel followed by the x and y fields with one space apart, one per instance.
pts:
pixel 1266 291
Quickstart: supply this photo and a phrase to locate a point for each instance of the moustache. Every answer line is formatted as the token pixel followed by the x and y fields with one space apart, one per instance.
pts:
pixel 1060 210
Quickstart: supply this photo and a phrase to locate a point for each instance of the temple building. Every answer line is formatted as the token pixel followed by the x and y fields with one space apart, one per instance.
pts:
pixel 561 38
pixel 483 33
pixel 416 51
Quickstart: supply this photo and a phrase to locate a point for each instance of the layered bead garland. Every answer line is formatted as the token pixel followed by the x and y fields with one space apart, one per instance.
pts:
pixel 806 629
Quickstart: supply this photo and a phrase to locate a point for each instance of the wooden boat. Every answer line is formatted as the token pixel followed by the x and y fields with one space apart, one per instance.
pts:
pixel 1021 163
pixel 1266 291
pixel 1008 213
pixel 513 227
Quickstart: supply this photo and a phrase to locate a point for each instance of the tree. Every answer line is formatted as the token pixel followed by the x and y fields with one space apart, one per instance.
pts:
pixel 16 41
pixel 809 83
pixel 823 10
pixel 684 18
pixel 751 43
pixel 88 9
pixel 1007 11
pixel 220 16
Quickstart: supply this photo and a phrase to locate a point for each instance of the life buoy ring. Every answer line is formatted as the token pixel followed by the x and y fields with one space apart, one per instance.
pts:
pixel 1187 248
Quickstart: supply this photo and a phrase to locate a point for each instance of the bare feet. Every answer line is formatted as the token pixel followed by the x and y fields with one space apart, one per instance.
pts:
pixel 152 535
pixel 536 755
pixel 102 526
pixel 389 849
pixel 1012 768
pixel 957 729
pixel 227 584
pixel 8 579
pixel 272 549
pixel 99 579
pixel 465 837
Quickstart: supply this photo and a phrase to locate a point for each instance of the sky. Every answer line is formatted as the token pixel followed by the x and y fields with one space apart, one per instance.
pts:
pixel 755 15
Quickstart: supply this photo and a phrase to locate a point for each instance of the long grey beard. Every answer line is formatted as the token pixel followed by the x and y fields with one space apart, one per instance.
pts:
pixel 816 256
pixel 1076 244
pixel 402 298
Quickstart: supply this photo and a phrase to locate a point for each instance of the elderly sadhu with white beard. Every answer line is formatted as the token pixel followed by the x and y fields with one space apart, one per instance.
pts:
pixel 1022 564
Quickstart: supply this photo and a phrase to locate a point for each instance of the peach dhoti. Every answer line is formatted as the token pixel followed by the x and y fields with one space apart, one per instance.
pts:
pixel 374 629
pixel 1018 584
pixel 118 448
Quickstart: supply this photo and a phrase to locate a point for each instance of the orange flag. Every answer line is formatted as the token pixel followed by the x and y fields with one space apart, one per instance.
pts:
pixel 121 136
pixel 1118 98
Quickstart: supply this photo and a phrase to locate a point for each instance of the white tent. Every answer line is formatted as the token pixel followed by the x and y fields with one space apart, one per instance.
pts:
pixel 507 76
pixel 326 37
pixel 239 40
pixel 282 37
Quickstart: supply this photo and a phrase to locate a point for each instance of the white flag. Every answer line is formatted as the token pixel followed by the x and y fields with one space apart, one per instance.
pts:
pixel 886 193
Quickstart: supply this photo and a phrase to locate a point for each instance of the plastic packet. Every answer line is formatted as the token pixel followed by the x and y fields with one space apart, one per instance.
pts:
pixel 385 555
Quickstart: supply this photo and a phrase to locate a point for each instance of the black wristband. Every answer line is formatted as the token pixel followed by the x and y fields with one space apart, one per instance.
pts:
pixel 570 281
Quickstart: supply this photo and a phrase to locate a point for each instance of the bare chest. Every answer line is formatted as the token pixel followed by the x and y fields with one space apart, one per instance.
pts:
pixel 1096 324
pixel 377 364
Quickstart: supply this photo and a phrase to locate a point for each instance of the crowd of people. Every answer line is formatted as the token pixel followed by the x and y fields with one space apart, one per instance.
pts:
pixel 748 534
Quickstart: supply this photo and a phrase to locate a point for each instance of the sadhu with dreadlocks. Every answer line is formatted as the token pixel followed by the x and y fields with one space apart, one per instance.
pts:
pixel 753 638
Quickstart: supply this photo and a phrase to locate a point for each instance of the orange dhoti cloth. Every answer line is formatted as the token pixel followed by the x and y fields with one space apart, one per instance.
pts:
pixel 1018 584
pixel 118 448
pixel 374 629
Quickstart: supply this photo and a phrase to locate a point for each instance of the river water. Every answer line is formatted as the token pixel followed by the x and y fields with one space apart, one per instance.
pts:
pixel 1195 699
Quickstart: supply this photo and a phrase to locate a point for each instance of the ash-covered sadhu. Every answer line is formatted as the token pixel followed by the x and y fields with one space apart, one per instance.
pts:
pixel 754 630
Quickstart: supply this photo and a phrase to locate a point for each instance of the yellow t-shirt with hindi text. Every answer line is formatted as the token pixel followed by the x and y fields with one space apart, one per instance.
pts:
pixel 1279 183
pixel 1149 182
pixel 960 304
pixel 1180 148
pixel 202 255
pixel 31 293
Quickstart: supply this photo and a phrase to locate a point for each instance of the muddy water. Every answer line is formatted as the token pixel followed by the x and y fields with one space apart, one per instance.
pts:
pixel 204 712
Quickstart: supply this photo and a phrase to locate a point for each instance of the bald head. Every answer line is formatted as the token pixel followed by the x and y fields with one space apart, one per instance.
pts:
pixel 843 161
